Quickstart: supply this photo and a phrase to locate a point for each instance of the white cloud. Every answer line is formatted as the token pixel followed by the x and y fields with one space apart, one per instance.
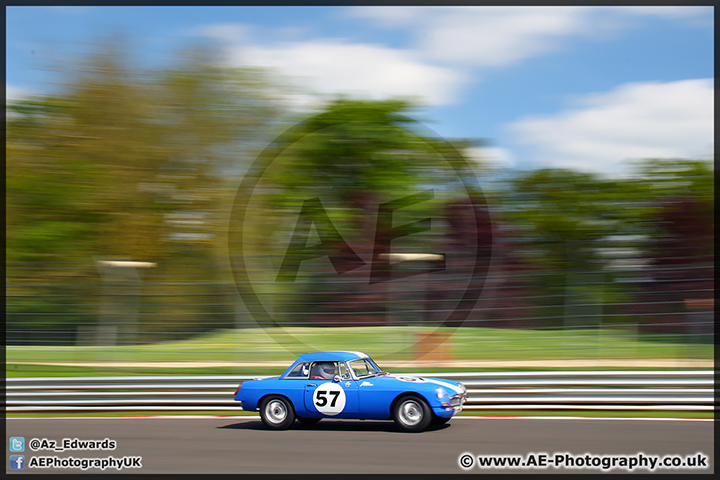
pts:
pixel 326 67
pixel 479 36
pixel 492 157
pixel 488 36
pixel 635 120
pixel 372 71
pixel 497 36
pixel 13 94
pixel 449 48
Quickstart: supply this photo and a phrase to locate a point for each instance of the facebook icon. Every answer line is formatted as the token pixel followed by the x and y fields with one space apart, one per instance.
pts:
pixel 17 462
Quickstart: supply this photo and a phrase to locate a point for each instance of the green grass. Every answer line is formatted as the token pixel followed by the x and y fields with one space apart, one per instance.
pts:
pixel 385 344
pixel 382 342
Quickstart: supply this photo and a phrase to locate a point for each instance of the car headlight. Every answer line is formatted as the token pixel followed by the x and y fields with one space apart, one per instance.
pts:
pixel 440 393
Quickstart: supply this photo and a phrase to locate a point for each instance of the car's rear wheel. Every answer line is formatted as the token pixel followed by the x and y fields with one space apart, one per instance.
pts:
pixel 308 421
pixel 411 413
pixel 277 412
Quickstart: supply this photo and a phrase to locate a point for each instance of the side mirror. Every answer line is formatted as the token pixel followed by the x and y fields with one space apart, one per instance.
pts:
pixel 336 378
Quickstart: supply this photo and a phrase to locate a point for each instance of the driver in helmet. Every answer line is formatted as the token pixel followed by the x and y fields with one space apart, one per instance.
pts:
pixel 325 371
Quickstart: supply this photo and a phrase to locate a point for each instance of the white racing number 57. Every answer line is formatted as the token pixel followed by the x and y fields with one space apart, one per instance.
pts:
pixel 329 398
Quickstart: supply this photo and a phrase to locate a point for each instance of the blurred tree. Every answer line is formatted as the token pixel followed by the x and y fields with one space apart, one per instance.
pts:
pixel 127 162
pixel 572 226
pixel 562 218
pixel 679 250
pixel 354 148
pixel 349 162
pixel 561 211
pixel 97 169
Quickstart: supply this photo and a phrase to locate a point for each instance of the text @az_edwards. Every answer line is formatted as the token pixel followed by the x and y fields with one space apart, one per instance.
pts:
pixel 66 444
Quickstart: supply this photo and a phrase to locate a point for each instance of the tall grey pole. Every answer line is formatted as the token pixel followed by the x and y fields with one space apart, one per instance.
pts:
pixel 122 287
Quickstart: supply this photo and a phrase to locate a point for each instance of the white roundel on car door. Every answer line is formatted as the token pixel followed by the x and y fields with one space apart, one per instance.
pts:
pixel 329 398
pixel 405 378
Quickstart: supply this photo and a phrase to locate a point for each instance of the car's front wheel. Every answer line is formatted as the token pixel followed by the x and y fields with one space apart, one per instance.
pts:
pixel 277 412
pixel 412 413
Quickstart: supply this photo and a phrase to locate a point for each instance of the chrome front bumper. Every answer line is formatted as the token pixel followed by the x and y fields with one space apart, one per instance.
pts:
pixel 457 401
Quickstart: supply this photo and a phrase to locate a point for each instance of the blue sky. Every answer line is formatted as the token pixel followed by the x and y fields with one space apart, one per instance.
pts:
pixel 580 87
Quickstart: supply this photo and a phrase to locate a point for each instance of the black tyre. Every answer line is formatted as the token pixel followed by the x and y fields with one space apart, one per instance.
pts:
pixel 308 421
pixel 411 413
pixel 277 412
pixel 440 420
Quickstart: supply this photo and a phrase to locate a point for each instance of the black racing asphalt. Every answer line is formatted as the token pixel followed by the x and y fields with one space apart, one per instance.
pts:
pixel 244 445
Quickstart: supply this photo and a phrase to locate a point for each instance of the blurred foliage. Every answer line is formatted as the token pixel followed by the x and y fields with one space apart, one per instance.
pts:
pixel 143 163
pixel 354 156
pixel 595 238
pixel 353 148
pixel 339 167
pixel 566 214
pixel 124 161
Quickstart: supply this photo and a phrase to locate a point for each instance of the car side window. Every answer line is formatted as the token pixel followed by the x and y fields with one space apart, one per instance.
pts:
pixel 323 371
pixel 344 373
pixel 301 370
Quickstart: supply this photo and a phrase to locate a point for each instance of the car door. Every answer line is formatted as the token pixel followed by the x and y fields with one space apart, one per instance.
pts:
pixel 330 398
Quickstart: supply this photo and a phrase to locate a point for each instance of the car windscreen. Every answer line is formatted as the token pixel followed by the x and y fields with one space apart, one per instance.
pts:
pixel 364 368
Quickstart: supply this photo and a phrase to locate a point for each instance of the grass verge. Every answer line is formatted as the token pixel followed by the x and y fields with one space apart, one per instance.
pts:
pixel 403 343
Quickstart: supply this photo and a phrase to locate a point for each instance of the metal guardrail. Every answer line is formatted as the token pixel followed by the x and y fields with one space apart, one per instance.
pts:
pixel 557 390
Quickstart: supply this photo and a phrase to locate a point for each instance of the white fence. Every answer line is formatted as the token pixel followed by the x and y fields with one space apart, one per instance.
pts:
pixel 556 390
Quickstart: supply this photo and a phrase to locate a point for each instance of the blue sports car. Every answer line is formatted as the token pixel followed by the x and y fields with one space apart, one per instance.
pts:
pixel 350 385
